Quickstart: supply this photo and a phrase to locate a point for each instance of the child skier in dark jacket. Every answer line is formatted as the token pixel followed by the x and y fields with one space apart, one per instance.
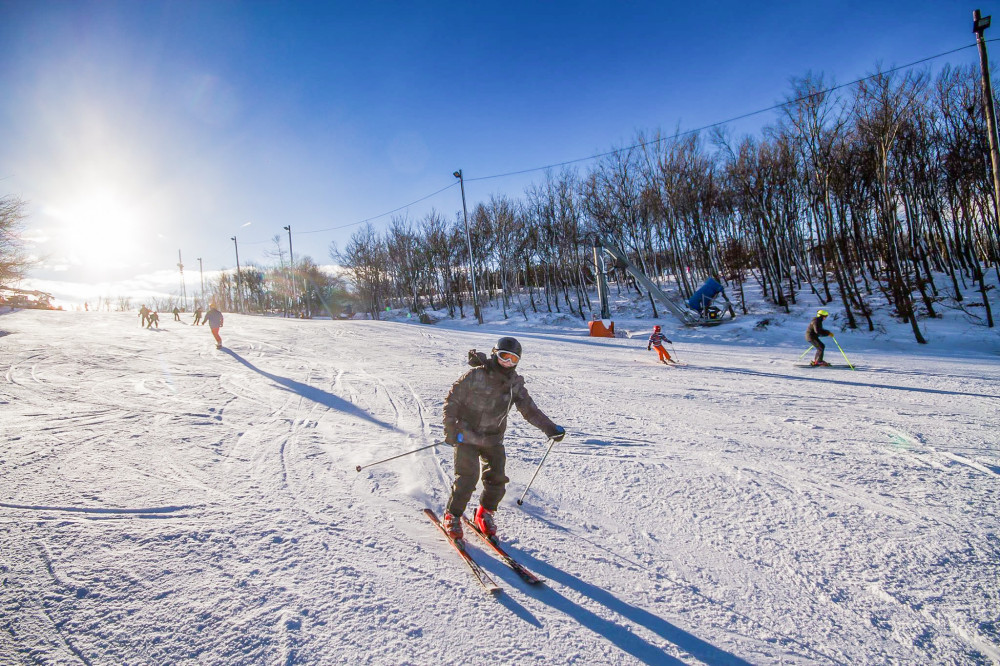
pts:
pixel 475 420
pixel 656 340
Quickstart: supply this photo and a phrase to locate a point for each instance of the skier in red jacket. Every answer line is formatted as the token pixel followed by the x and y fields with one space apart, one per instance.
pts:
pixel 656 340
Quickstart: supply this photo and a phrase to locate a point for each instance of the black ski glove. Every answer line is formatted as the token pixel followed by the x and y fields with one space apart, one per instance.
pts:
pixel 649 347
pixel 560 433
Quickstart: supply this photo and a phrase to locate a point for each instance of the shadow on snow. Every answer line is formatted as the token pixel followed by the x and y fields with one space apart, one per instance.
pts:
pixel 318 396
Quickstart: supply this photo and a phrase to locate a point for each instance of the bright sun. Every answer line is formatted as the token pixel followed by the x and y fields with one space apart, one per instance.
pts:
pixel 99 229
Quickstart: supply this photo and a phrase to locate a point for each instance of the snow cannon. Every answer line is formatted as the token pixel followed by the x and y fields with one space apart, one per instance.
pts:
pixel 601 328
pixel 701 300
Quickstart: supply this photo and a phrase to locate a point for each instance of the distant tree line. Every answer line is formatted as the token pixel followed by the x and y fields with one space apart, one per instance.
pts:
pixel 302 290
pixel 880 189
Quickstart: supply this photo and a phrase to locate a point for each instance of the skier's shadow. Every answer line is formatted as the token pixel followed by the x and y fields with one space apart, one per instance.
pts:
pixel 621 636
pixel 318 396
pixel 829 380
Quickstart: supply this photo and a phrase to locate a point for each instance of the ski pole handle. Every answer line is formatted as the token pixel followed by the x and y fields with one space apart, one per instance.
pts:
pixel 379 462
pixel 552 442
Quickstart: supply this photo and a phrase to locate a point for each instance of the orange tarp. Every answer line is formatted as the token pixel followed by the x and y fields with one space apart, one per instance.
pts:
pixel 601 328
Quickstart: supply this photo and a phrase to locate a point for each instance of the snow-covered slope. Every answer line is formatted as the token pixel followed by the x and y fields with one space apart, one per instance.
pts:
pixel 165 502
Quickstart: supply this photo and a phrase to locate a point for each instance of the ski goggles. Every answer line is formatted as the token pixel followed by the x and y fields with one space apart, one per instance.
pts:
pixel 508 358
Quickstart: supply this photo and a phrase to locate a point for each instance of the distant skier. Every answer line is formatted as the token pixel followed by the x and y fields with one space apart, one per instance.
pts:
pixel 154 320
pixel 656 340
pixel 177 314
pixel 143 316
pixel 475 419
pixel 214 319
pixel 197 315
pixel 813 334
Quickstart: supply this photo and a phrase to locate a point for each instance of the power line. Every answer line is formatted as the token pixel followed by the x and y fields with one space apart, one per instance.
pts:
pixel 727 121
pixel 646 143
pixel 375 217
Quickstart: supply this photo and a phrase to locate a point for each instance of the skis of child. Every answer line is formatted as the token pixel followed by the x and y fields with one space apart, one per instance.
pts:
pixel 480 574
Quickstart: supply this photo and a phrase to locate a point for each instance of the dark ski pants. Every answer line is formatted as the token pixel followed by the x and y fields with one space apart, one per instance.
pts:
pixel 820 348
pixel 467 469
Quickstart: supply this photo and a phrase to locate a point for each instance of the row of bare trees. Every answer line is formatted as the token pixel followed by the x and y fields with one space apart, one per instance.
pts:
pixel 305 290
pixel 881 189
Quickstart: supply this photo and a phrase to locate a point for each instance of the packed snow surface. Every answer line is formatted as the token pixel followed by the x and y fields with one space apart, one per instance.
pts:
pixel 162 501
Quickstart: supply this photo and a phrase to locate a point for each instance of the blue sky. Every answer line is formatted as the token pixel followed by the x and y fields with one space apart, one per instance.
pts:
pixel 135 129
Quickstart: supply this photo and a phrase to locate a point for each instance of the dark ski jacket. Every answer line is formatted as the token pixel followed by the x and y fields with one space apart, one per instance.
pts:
pixel 816 329
pixel 478 403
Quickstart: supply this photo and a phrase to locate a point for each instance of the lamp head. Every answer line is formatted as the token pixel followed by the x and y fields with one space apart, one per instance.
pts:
pixel 457 174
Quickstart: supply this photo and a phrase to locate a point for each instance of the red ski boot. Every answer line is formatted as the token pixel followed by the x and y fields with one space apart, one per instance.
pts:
pixel 484 521
pixel 452 525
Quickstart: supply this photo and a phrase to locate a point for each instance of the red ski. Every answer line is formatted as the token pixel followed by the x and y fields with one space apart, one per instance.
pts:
pixel 484 578
pixel 518 568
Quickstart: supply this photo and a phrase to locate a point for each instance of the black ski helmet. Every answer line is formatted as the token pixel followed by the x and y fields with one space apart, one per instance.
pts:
pixel 508 344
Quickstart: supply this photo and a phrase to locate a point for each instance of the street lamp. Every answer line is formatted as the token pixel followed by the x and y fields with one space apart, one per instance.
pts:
pixel 239 290
pixel 468 239
pixel 291 261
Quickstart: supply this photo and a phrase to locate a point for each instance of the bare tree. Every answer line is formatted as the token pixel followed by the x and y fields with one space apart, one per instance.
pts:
pixel 14 260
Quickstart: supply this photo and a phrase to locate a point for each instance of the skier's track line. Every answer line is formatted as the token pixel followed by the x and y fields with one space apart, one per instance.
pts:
pixel 100 510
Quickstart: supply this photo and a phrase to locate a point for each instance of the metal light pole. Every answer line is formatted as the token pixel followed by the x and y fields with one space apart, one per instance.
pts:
pixel 291 261
pixel 468 239
pixel 239 290
pixel 201 271
pixel 979 25
pixel 180 265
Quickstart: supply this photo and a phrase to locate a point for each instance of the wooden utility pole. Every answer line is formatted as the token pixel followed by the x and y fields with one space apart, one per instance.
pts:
pixel 979 25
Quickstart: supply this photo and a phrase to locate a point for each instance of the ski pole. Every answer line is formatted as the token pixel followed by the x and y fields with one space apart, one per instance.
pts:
pixel 552 442
pixel 379 462
pixel 811 347
pixel 674 352
pixel 842 351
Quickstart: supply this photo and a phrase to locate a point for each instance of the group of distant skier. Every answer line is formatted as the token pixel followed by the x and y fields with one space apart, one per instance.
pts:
pixel 150 318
